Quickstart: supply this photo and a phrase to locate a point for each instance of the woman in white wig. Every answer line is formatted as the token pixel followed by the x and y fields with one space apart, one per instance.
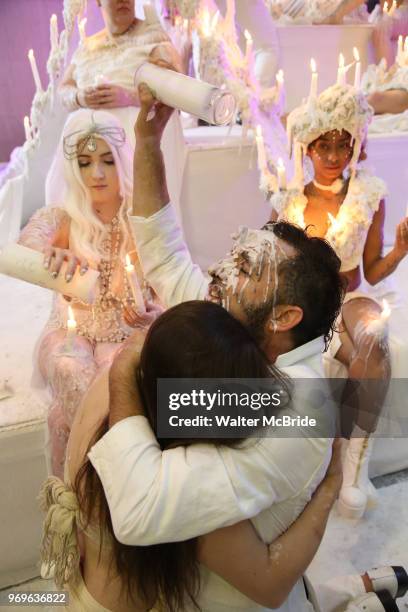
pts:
pixel 86 227
pixel 102 72
pixel 346 206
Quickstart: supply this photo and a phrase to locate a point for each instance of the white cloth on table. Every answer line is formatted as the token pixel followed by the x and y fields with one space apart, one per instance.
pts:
pixel 165 490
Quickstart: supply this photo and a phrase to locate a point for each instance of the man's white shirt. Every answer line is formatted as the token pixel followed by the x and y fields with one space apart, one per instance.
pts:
pixel 177 494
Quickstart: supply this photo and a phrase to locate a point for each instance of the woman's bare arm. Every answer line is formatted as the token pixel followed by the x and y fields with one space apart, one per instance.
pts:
pixel 376 266
pixel 267 574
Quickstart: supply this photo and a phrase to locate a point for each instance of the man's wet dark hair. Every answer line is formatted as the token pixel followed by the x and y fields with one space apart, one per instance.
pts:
pixel 310 279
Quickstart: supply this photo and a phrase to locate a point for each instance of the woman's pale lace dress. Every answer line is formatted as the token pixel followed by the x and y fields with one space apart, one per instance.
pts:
pixel 100 329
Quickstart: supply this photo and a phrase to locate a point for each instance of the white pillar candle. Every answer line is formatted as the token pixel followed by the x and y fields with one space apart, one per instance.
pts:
pixel 27 129
pixel 134 285
pixel 281 174
pixel 357 76
pixel 179 91
pixel 260 145
pixel 81 29
pixel 71 331
pixel 341 73
pixel 27 264
pixel 313 82
pixel 34 70
pixel 230 18
pixel 53 32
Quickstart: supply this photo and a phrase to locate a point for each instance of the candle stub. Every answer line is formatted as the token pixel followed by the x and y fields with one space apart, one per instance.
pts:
pixel 27 264
pixel 203 100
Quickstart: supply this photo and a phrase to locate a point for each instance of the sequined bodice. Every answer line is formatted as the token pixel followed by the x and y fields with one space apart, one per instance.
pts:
pixel 103 321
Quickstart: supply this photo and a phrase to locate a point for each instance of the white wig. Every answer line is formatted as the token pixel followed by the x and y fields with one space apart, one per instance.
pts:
pixel 66 189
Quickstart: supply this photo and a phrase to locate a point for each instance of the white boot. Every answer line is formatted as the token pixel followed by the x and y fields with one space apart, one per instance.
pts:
pixel 373 602
pixel 392 578
pixel 357 491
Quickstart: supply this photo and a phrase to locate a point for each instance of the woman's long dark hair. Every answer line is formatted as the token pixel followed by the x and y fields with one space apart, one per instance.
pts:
pixel 192 340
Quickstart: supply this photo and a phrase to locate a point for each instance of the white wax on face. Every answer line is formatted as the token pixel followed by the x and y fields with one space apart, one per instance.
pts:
pixel 27 264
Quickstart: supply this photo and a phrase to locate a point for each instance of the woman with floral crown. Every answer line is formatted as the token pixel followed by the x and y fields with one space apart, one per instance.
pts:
pixel 86 227
pixel 349 212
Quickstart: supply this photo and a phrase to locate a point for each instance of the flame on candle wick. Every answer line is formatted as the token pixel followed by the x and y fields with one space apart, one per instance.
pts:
pixel 248 36
pixel 281 165
pixel 259 131
pixel 356 54
pixel 386 310
pixel 313 65
pixel 280 76
pixel 385 9
pixel 71 314
pixel 341 61
pixel 128 261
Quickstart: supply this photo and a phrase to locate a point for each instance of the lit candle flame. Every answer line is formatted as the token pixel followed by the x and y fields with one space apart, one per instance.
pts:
pixel 356 54
pixel 205 23
pixel 385 9
pixel 341 61
pixel 259 131
pixel 386 310
pixel 128 260
pixel 281 165
pixel 334 223
pixel 214 21
pixel 71 315
pixel 248 36
pixel 280 76
pixel 313 65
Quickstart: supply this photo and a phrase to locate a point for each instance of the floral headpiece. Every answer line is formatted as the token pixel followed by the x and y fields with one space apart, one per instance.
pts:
pixel 74 144
pixel 340 107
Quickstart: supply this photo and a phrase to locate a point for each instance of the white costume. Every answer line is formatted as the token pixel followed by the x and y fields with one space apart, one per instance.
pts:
pixel 168 488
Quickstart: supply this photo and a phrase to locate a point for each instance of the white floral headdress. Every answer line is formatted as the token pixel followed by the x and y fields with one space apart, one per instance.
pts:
pixel 340 107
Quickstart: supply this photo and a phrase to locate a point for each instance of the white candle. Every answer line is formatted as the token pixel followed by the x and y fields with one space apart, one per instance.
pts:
pixel 313 83
pixel 385 8
pixel 189 95
pixel 34 70
pixel 341 73
pixel 214 22
pixel 71 331
pixel 280 82
pixel 357 76
pixel 27 264
pixel 393 8
pixel 185 25
pixel 81 28
pixel 281 174
pixel 27 129
pixel 53 32
pixel 134 285
pixel 262 161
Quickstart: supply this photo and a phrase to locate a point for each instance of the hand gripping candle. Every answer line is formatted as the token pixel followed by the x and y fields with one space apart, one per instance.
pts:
pixel 203 100
pixel 26 264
